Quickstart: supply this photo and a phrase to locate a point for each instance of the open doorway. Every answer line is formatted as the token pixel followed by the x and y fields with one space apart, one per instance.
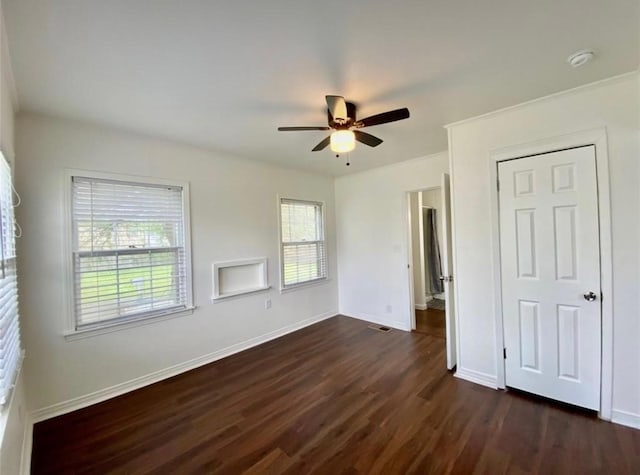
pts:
pixel 430 263
pixel 428 284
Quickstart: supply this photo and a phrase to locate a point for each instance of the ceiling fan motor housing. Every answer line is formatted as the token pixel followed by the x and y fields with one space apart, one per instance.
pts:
pixel 339 123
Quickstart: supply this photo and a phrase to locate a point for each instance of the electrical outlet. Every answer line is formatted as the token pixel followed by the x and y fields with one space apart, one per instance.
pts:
pixel 267 304
pixel 389 309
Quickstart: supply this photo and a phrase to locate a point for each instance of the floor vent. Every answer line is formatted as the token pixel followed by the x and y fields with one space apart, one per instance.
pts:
pixel 380 329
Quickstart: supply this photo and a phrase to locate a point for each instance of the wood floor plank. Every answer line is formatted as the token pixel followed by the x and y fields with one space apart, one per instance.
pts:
pixel 336 397
pixel 431 322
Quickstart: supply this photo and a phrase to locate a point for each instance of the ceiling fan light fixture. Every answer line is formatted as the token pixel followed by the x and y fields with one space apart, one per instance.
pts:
pixel 342 141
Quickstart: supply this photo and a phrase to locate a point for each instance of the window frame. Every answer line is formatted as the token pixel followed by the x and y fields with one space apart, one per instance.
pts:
pixel 281 245
pixel 71 330
pixel 6 398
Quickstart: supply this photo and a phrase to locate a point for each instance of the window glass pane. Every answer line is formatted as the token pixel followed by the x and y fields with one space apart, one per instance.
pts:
pixel 300 222
pixel 301 263
pixel 303 251
pixel 129 250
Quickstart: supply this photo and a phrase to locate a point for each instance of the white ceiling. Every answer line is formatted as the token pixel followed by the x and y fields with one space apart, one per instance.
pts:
pixel 224 74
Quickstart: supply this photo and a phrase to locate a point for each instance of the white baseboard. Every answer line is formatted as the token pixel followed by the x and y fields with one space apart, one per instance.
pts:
pixel 27 445
pixel 477 377
pixel 398 325
pixel 421 306
pixel 625 418
pixel 137 383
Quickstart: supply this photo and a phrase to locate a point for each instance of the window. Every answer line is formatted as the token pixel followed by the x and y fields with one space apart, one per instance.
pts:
pixel 303 253
pixel 130 254
pixel 10 353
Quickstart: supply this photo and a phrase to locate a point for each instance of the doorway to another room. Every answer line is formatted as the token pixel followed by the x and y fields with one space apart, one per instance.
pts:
pixel 428 286
pixel 430 264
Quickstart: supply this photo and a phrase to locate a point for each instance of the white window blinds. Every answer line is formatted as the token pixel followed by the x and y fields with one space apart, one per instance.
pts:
pixel 10 352
pixel 129 256
pixel 303 252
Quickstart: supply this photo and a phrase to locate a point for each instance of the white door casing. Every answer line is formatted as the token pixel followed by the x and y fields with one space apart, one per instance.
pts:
pixel 549 245
pixel 447 271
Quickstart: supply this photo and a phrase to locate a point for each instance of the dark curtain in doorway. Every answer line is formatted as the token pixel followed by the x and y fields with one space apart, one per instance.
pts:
pixel 433 264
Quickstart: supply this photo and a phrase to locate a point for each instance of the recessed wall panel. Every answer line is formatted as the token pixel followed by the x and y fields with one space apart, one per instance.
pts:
pixel 564 218
pixel 526 243
pixel 529 318
pixel 568 342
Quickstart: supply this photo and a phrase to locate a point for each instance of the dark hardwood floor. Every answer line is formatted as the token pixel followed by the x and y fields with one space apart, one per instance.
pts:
pixel 431 322
pixel 336 397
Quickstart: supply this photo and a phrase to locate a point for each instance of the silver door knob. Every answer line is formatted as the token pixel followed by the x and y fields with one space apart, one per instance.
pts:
pixel 590 296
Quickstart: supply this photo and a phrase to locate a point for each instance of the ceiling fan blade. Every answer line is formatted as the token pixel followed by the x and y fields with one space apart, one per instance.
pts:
pixel 383 118
pixel 367 139
pixel 322 145
pixel 293 129
pixel 337 107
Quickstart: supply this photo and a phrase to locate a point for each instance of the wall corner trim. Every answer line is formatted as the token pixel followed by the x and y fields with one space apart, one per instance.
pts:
pixel 625 418
pixel 101 395
pixel 477 377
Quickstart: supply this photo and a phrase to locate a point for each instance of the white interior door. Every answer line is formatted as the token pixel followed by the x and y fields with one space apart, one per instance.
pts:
pixel 549 242
pixel 447 272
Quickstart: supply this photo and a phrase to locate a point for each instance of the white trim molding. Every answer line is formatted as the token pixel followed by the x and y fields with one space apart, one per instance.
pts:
pixel 575 90
pixel 27 446
pixel 95 397
pixel 261 283
pixel 69 325
pixel 598 138
pixel 625 418
pixel 323 224
pixel 478 377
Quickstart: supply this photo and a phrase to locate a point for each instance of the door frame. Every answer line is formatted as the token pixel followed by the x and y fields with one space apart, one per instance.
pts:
pixel 598 138
pixel 407 203
pixel 454 296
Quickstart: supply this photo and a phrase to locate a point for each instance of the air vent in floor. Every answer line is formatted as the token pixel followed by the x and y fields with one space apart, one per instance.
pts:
pixel 380 329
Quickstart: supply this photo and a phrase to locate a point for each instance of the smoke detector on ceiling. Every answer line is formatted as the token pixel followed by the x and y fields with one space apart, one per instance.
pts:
pixel 579 58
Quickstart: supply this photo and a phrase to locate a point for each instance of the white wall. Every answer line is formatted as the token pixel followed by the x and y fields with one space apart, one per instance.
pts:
pixel 614 104
pixel 233 215
pixel 373 238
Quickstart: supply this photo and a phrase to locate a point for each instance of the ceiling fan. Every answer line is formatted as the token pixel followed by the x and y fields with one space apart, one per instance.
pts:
pixel 342 120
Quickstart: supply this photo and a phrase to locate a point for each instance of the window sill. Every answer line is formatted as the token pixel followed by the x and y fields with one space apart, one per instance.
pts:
pixel 238 293
pixel 304 285
pixel 7 407
pixel 114 327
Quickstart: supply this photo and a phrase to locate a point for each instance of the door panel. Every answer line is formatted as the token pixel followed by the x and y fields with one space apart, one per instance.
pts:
pixel 526 242
pixel 569 339
pixel 549 244
pixel 447 269
pixel 529 335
